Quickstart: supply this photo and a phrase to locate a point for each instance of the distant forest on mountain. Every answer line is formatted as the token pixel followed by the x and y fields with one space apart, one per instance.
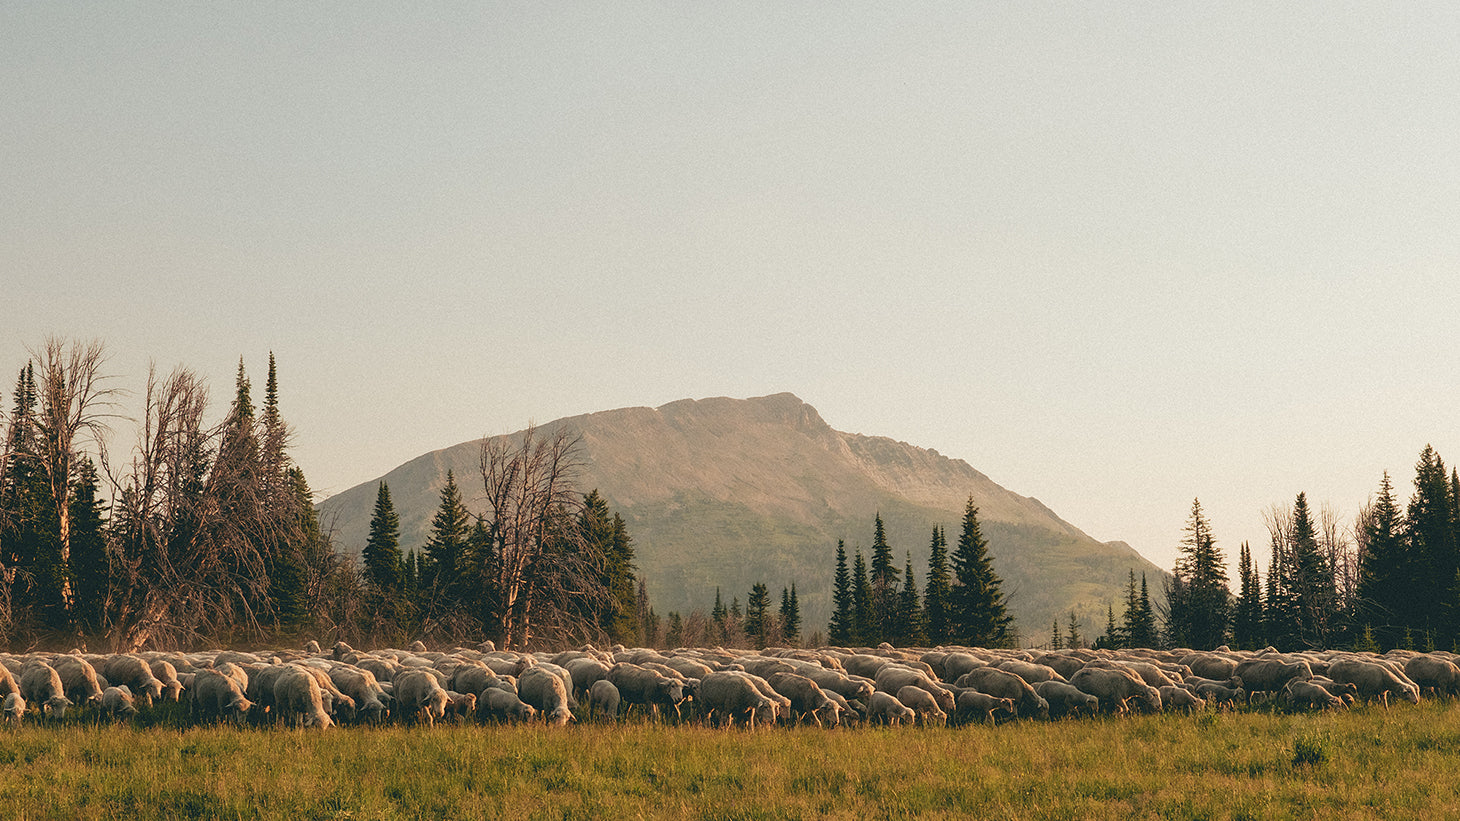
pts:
pixel 202 530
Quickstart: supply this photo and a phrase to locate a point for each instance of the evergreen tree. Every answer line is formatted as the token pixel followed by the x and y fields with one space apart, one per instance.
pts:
pixel 1073 639
pixel 606 538
pixel 790 616
pixel 90 567
pixel 384 567
pixel 1200 609
pixel 911 619
pixel 1279 620
pixel 1313 587
pixel 443 556
pixel 482 597
pixel 978 613
pixel 1056 640
pixel 939 588
pixel 757 610
pixel 884 587
pixel 1247 613
pixel 674 633
pixel 718 612
pixel 1145 624
pixel 1430 526
pixel 864 618
pixel 842 627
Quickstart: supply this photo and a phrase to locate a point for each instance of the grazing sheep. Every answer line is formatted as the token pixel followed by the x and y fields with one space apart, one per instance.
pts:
pixel 971 704
pixel 892 678
pixel 604 698
pixel 495 704
pixel 650 688
pixel 1434 673
pixel 884 708
pixel 217 696
pixel 1220 694
pixel 546 692
pixel 1029 671
pixel 732 695
pixel 136 674
pixel 1004 684
pixel 299 698
pixel 13 708
pixel 922 703
pixel 1373 680
pixel 1066 699
pixel 118 701
pixel 1305 694
pixel 1116 688
pixel 1270 675
pixel 1180 698
pixel 807 700
pixel 8 684
pixel 1210 665
pixel 419 694
pixel 371 702
pixel 164 671
pixel 460 706
pixel 41 684
pixel 584 672
pixel 79 680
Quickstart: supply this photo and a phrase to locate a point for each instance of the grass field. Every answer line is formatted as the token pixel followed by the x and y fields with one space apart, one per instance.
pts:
pixel 1368 763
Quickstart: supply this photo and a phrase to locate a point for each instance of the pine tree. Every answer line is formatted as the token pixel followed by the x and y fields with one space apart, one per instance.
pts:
pixel 1200 610
pixel 1073 639
pixel 1247 614
pixel 757 608
pixel 884 587
pixel 30 542
pixel 978 613
pixel 842 627
pixel 1110 640
pixel 790 616
pixel 1430 526
pixel 864 618
pixel 911 618
pixel 1056 639
pixel 384 567
pixel 938 589
pixel 1144 628
pixel 1313 589
pixel 90 567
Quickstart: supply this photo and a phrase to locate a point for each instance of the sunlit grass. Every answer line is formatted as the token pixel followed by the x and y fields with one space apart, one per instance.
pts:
pixel 1368 763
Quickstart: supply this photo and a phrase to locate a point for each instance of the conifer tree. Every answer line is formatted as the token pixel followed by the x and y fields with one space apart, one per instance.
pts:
pixel 1073 639
pixel 1056 639
pixel 912 620
pixel 790 616
pixel 1200 604
pixel 444 551
pixel 757 611
pixel 1247 612
pixel 90 567
pixel 1430 526
pixel 1144 630
pixel 842 627
pixel 979 616
pixel 884 587
pixel 864 617
pixel 384 567
pixel 936 593
pixel 1313 587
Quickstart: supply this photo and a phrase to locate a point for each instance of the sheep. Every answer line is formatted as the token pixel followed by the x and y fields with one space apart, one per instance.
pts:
pixel 640 685
pixel 1306 694
pixel 419 694
pixel 604 698
pixel 546 692
pixel 807 699
pixel 884 708
pixel 732 696
pixel 1373 680
pixel 13 708
pixel 1029 671
pixel 584 672
pixel 118 701
pixel 1270 675
pixel 1210 665
pixel 495 704
pixel 41 684
pixel 972 703
pixel 299 698
pixel 371 702
pixel 218 696
pixel 1180 698
pixel 1434 673
pixel 136 674
pixel 166 673
pixel 1066 699
pixel 8 684
pixel 892 678
pixel 1116 688
pixel 79 680
pixel 460 706
pixel 923 705
pixel 1220 694
pixel 1004 684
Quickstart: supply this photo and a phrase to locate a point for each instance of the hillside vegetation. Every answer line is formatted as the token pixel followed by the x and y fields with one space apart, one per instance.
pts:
pixel 727 492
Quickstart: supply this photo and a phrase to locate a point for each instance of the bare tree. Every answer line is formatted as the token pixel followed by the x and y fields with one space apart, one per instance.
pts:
pixel 543 575
pixel 73 401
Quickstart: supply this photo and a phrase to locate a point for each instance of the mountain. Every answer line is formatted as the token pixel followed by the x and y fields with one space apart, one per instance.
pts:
pixel 728 492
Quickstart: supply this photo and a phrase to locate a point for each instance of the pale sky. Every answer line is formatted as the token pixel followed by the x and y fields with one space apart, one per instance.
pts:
pixel 1114 255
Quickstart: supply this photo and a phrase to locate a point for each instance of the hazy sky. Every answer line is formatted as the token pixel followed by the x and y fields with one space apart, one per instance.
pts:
pixel 1114 255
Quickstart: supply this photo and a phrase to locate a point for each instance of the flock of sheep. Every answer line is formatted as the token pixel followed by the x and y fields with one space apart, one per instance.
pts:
pixel 827 687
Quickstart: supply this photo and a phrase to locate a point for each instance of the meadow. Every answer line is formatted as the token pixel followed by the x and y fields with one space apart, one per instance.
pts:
pixel 1368 762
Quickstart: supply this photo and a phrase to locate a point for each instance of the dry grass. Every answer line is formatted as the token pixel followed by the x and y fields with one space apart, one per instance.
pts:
pixel 1369 763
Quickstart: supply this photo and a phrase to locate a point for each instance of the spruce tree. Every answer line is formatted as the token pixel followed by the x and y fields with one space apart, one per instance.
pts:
pixel 1247 612
pixel 1430 525
pixel 790 616
pixel 936 593
pixel 1073 639
pixel 442 557
pixel 863 617
pixel 1112 633
pixel 90 567
pixel 1056 640
pixel 978 613
pixel 384 567
pixel 911 618
pixel 1144 630
pixel 1313 587
pixel 884 587
pixel 1200 610
pixel 842 627
pixel 757 610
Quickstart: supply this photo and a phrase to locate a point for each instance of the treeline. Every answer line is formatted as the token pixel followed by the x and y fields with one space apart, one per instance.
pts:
pixel 1391 579
pixel 961 603
pixel 202 532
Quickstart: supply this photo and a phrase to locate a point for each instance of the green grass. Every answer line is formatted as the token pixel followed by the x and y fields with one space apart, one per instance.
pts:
pixel 1368 763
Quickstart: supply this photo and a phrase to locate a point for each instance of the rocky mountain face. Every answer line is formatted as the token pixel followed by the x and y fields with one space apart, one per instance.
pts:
pixel 728 492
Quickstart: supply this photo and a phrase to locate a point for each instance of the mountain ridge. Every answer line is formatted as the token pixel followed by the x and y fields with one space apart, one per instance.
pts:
pixel 722 492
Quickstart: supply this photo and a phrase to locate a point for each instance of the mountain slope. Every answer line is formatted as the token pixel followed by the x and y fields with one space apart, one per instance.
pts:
pixel 727 492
